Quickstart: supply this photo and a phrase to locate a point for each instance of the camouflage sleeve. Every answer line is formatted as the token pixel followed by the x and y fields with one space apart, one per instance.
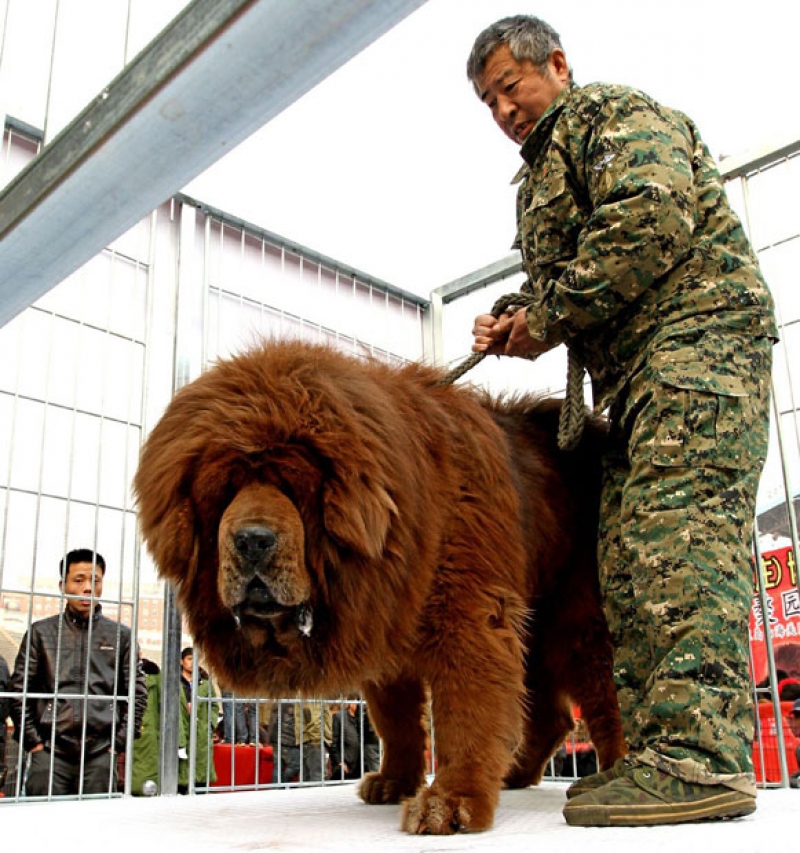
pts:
pixel 638 168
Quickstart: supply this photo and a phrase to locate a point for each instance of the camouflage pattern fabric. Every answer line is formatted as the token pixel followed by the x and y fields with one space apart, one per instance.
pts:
pixel 687 446
pixel 627 235
pixel 638 264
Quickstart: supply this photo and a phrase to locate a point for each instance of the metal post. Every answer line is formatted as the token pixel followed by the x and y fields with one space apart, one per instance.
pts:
pixel 170 694
pixel 187 365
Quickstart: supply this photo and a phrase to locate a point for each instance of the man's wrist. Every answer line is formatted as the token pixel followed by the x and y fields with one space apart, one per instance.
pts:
pixel 536 328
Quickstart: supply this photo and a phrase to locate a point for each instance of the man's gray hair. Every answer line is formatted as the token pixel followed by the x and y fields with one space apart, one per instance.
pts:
pixel 527 37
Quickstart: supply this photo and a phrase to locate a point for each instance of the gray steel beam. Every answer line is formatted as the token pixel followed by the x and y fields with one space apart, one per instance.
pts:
pixel 297 248
pixel 219 71
pixel 741 167
pixel 505 267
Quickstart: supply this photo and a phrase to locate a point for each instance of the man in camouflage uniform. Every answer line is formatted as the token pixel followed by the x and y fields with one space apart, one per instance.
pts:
pixel 637 264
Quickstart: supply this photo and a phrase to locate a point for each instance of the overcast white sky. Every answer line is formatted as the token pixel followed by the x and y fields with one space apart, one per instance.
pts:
pixel 392 165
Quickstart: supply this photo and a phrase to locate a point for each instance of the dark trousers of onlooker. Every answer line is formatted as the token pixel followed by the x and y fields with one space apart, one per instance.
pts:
pixel 794 778
pixel 99 774
pixel 372 758
pixel 314 757
pixel 239 720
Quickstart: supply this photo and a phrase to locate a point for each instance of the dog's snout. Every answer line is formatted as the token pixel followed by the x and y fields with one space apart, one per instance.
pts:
pixel 255 543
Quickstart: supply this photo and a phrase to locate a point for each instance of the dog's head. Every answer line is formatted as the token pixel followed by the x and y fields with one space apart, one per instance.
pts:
pixel 251 484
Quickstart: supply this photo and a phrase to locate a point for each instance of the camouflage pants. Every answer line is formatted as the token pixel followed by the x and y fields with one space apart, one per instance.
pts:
pixel 688 441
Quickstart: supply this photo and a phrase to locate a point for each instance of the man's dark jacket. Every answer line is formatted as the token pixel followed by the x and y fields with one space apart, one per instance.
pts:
pixel 346 746
pixel 3 708
pixel 66 658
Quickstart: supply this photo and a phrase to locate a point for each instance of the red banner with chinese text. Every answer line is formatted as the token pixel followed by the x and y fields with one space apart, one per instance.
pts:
pixel 783 616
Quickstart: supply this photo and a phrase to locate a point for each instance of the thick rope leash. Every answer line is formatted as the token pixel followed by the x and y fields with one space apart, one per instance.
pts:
pixel 573 410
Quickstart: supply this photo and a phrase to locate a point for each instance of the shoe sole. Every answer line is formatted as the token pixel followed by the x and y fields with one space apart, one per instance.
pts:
pixel 724 806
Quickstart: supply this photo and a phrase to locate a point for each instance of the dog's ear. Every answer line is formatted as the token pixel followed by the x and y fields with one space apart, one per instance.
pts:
pixel 358 512
pixel 166 513
pixel 171 538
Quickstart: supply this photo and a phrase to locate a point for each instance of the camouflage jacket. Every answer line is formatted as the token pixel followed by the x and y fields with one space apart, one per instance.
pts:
pixel 627 236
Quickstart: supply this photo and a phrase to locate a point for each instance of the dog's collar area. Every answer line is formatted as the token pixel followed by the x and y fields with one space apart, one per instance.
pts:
pixel 261 612
pixel 304 619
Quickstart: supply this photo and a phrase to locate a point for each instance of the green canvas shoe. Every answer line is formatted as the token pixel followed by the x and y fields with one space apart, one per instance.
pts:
pixel 645 796
pixel 596 780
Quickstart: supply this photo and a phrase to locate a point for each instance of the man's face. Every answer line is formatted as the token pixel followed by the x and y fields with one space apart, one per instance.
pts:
pixel 82 579
pixel 794 724
pixel 186 666
pixel 517 93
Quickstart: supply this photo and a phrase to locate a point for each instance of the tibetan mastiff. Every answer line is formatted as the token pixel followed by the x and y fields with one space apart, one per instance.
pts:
pixel 335 524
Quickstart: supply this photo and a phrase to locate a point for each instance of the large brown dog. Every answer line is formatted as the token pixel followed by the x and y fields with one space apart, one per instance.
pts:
pixel 335 524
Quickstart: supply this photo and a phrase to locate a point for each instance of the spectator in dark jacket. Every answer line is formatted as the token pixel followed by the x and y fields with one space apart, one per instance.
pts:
pixel 371 743
pixel 346 746
pixel 355 745
pixel 72 677
pixel 4 708
pixel 794 726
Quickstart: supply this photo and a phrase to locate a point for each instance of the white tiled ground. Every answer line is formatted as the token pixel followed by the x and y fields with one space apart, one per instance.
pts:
pixel 334 819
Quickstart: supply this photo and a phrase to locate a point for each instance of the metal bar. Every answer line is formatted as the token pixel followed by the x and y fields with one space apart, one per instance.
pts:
pixel 432 323
pixel 740 167
pixel 483 277
pixel 771 668
pixel 170 694
pixel 299 249
pixel 219 71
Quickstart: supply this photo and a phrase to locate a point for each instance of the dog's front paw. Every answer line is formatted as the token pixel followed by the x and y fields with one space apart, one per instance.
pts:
pixel 437 812
pixel 377 789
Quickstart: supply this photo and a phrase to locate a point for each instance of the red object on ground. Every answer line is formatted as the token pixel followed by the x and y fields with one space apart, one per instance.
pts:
pixel 236 765
pixel 768 769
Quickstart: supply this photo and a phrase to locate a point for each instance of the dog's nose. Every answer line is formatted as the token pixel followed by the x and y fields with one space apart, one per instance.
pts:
pixel 254 543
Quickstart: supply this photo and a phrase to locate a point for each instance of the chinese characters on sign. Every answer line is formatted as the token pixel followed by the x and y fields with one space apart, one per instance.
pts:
pixel 782 614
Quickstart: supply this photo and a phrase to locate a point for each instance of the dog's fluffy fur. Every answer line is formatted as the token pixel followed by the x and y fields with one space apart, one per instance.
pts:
pixel 334 524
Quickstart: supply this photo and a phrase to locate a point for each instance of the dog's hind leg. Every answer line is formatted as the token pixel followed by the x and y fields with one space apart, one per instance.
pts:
pixel 590 682
pixel 548 720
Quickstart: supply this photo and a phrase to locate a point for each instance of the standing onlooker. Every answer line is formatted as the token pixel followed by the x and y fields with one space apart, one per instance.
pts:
pixel 793 721
pixel 371 742
pixel 285 753
pixel 355 745
pixel 4 709
pixel 300 733
pixel 239 719
pixel 82 662
pixel 207 716
pixel 346 743
pixel 313 730
pixel 146 773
